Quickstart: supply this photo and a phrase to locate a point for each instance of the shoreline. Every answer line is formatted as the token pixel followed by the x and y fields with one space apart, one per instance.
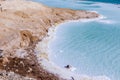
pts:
pixel 55 69
pixel 25 28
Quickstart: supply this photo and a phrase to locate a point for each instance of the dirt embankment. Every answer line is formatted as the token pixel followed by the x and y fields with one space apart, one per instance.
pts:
pixel 22 25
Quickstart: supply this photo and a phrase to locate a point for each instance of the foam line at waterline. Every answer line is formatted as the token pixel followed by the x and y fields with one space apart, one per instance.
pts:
pixel 67 74
pixel 48 65
pixel 106 21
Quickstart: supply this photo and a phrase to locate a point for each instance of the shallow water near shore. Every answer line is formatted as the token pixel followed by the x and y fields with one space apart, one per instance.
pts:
pixel 93 47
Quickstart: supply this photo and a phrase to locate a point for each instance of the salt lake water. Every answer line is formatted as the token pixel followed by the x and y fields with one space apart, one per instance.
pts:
pixel 93 47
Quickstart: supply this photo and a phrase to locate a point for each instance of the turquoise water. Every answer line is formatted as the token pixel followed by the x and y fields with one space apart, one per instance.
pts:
pixel 107 1
pixel 92 47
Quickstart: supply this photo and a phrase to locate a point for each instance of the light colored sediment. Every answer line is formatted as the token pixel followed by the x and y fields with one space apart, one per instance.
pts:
pixel 12 76
pixel 42 47
pixel 22 25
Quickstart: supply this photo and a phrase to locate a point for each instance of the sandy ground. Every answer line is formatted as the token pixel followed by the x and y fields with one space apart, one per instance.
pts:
pixel 22 25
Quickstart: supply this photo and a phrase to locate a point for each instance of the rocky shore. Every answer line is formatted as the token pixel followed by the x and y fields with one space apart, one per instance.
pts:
pixel 22 25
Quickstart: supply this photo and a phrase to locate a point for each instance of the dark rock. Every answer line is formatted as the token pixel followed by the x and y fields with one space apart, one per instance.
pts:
pixel 1 51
